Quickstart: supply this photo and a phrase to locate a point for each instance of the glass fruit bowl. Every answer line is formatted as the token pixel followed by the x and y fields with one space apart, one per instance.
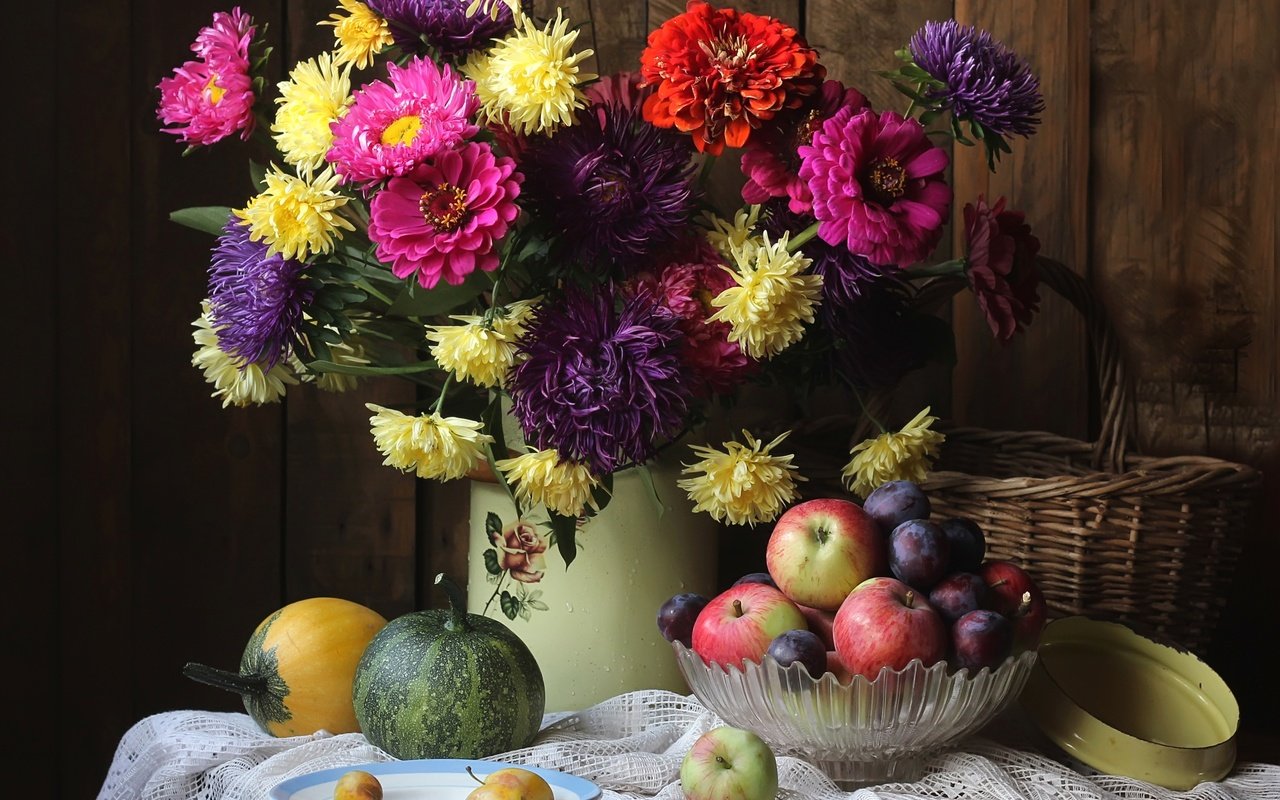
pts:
pixel 863 731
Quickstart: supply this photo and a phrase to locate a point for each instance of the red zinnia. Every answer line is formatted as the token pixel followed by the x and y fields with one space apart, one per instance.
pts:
pixel 720 73
pixel 1002 266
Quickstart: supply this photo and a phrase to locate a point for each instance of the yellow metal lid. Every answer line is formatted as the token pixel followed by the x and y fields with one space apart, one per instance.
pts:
pixel 1126 705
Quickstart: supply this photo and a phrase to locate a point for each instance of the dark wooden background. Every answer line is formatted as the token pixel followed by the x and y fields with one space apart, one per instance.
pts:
pixel 147 527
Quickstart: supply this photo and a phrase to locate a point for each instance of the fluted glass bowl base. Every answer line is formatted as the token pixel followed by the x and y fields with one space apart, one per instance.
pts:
pixel 863 731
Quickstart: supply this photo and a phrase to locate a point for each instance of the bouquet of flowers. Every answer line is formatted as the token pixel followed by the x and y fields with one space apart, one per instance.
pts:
pixel 450 198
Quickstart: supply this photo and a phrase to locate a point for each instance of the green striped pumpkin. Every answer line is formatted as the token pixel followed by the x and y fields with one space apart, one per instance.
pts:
pixel 448 684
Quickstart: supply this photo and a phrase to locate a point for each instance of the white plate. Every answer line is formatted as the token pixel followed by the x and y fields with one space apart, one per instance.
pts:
pixel 427 779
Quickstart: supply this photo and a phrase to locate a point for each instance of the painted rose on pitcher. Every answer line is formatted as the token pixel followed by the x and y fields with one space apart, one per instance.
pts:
pixel 521 551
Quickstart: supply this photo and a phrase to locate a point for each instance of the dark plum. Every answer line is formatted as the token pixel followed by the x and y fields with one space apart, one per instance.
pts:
pixel 968 544
pixel 677 615
pixel 981 638
pixel 757 577
pixel 958 594
pixel 896 502
pixel 919 554
pixel 802 646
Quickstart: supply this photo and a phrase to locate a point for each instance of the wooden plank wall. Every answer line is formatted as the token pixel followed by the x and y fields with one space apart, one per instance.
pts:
pixel 154 528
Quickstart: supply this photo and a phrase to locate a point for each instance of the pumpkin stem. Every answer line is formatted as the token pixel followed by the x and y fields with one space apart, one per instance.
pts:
pixel 251 685
pixel 457 604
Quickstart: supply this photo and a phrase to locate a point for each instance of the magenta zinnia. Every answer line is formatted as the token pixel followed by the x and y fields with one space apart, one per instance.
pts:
pixel 601 383
pixel 877 185
pixel 393 127
pixel 443 219
pixel 1002 266
pixel 209 99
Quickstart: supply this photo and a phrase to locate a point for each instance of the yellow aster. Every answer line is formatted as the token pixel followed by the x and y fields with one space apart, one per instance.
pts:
pixel 742 484
pixel 479 351
pixel 905 455
pixel 317 93
pixel 773 299
pixel 360 35
pixel 432 446
pixel 296 218
pixel 542 477
pixel 725 235
pixel 530 79
pixel 237 383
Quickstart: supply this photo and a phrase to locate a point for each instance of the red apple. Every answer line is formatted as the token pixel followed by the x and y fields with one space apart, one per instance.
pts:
pixel 741 622
pixel 836 667
pixel 885 623
pixel 1011 591
pixel 820 622
pixel 820 549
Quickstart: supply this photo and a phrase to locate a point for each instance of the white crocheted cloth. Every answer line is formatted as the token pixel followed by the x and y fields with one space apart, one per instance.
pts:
pixel 631 746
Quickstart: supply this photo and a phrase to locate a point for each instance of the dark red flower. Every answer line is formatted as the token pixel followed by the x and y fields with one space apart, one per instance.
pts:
pixel 1002 266
pixel 721 73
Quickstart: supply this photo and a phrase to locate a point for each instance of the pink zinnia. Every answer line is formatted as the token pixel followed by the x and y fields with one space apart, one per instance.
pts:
pixel 620 88
pixel 877 186
pixel 1002 266
pixel 211 98
pixel 716 365
pixel 771 159
pixel 444 218
pixel 393 127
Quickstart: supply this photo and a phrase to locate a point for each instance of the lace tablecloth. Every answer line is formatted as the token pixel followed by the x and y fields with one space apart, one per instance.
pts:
pixel 631 746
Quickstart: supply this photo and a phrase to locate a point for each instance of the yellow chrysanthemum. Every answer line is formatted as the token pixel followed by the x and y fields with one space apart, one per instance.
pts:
pixel 359 36
pixel 493 7
pixel 317 93
pixel 530 79
pixel 771 304
pixel 905 455
pixel 294 217
pixel 238 384
pixel 432 446
pixel 726 236
pixel 542 477
pixel 742 484
pixel 479 351
pixel 351 353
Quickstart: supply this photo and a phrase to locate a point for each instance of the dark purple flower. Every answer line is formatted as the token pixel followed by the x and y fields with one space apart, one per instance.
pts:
pixel 601 383
pixel 613 187
pixel 444 24
pixel 985 81
pixel 844 274
pixel 255 300
pixel 877 338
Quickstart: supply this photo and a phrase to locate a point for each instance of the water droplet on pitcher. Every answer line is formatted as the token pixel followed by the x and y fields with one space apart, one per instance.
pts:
pixel 607 669
pixel 568 607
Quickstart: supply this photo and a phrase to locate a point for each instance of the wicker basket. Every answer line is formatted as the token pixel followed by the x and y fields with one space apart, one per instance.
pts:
pixel 1152 542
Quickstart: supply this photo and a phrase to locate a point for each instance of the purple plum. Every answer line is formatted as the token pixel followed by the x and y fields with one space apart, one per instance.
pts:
pixel 919 554
pixel 803 646
pixel 958 594
pixel 757 577
pixel 981 638
pixel 896 502
pixel 677 616
pixel 968 544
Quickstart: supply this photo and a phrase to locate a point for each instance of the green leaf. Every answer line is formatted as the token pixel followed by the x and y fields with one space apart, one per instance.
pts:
pixel 492 419
pixel 257 174
pixel 492 525
pixel 566 532
pixel 537 605
pixel 414 301
pixel 646 477
pixel 207 219
pixel 361 369
pixel 491 562
pixel 603 493
pixel 511 604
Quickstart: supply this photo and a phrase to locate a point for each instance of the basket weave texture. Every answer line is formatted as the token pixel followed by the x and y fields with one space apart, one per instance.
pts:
pixel 1152 542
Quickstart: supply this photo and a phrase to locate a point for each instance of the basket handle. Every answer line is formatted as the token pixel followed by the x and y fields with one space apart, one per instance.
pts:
pixel 1116 436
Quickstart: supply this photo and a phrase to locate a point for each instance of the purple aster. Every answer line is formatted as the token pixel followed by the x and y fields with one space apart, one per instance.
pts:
pixel 985 81
pixel 602 380
pixel 877 338
pixel 613 187
pixel 255 299
pixel 844 274
pixel 443 24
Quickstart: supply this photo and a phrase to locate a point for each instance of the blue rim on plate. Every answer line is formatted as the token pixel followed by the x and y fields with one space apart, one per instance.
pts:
pixel 583 788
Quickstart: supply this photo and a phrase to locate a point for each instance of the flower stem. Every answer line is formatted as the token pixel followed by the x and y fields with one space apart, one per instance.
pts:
pixel 448 379
pixel 803 236
pixel 496 590
pixel 866 412
pixel 955 266
pixel 708 162
pixel 367 287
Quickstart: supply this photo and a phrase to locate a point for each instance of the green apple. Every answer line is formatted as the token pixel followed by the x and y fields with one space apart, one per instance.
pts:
pixel 729 764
